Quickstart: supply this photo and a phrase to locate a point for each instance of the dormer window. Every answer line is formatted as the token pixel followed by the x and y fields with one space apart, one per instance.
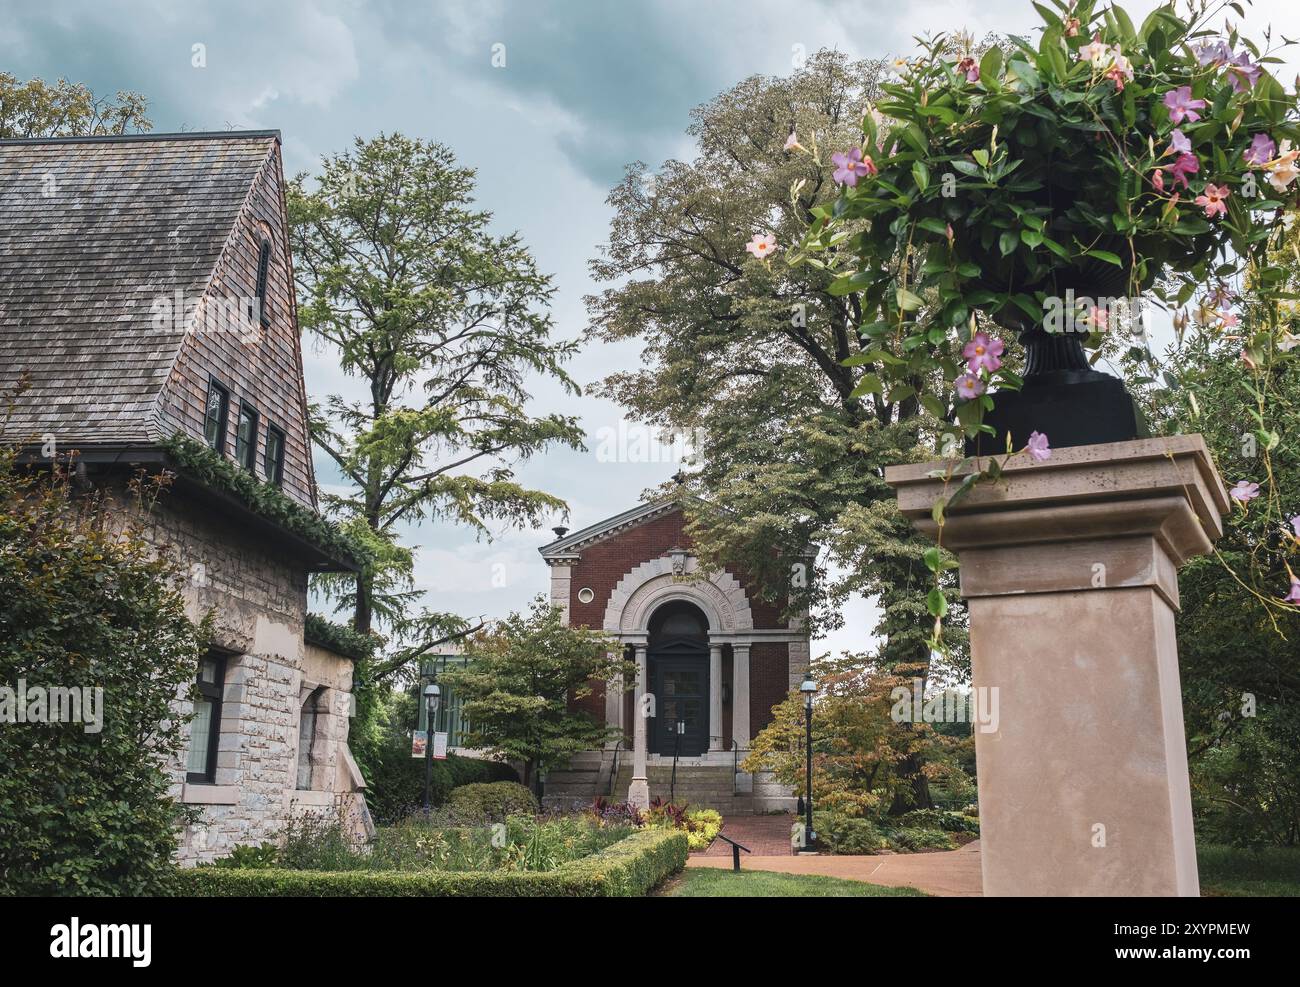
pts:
pixel 273 464
pixel 263 269
pixel 215 416
pixel 246 436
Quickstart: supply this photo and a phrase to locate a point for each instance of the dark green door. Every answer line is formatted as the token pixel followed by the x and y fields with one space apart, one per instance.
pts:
pixel 680 681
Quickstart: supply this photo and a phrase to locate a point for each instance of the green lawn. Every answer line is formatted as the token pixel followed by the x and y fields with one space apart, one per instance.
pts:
pixel 713 883
pixel 1273 872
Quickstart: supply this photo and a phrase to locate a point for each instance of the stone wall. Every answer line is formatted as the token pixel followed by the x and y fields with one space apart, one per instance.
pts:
pixel 258 598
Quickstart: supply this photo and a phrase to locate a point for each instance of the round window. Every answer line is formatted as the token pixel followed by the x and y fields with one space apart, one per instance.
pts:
pixel 585 595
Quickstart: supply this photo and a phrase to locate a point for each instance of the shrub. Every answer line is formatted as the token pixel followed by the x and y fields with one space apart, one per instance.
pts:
pixel 917 838
pixel 949 822
pixel 628 868
pixel 251 857
pixel 87 603
pixel 843 834
pixel 491 802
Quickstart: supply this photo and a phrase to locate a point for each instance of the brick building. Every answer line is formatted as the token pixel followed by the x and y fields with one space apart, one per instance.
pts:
pixel 713 660
pixel 146 292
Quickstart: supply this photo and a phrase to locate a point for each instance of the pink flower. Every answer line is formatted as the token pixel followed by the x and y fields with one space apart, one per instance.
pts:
pixel 1038 447
pixel 970 68
pixel 1098 318
pixel 1182 106
pixel 1158 179
pixel 1260 152
pixel 1213 201
pixel 1294 595
pixel 1228 320
pixel 982 353
pixel 852 166
pixel 1072 26
pixel 791 143
pixel 1178 143
pixel 1095 52
pixel 1186 164
pixel 1243 72
pixel 1120 71
pixel 762 245
pixel 1295 525
pixel 1244 491
pixel 1218 52
pixel 969 386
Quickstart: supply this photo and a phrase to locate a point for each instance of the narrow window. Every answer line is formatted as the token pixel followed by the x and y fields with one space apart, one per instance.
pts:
pixel 263 268
pixel 308 728
pixel 246 436
pixel 273 463
pixel 214 418
pixel 205 728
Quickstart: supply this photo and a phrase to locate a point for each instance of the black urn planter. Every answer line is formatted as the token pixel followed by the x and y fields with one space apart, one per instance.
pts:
pixel 1063 397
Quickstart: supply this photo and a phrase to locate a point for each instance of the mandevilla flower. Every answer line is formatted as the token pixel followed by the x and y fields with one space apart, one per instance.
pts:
pixel 983 353
pixel 969 386
pixel 1120 71
pixel 1282 170
pixel 1095 52
pixel 1181 105
pixel 1186 164
pixel 1213 200
pixel 1178 143
pixel 1294 595
pixel 1072 26
pixel 1260 152
pixel 1038 447
pixel 1295 525
pixel 1243 73
pixel 792 143
pixel 1211 53
pixel 1244 491
pixel 762 245
pixel 970 68
pixel 851 166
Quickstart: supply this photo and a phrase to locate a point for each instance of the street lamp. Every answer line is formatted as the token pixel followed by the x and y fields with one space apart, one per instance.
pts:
pixel 809 689
pixel 432 696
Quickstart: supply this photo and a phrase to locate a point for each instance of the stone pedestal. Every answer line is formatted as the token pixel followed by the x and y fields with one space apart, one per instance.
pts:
pixel 1069 571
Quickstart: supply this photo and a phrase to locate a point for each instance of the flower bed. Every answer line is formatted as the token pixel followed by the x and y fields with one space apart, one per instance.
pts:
pixel 629 868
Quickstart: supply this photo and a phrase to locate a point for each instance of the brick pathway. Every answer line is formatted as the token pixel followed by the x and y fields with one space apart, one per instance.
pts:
pixel 953 873
pixel 766 836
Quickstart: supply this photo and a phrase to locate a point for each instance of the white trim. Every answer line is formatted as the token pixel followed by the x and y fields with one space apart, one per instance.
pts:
pixel 719 595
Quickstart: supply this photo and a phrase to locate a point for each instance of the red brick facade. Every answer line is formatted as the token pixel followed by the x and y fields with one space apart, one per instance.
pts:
pixel 603 563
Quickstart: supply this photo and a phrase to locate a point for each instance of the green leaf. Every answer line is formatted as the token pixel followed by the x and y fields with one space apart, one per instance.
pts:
pixel 1007 242
pixel 907 301
pixel 869 384
pixel 991 68
pixel 932 559
pixel 921 175
pixel 936 602
pixel 1107 256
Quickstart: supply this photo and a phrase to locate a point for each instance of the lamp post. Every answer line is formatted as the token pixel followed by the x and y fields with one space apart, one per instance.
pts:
pixel 432 696
pixel 809 689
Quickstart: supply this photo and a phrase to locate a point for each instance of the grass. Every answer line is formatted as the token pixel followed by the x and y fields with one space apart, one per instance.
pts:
pixel 1273 872
pixel 709 882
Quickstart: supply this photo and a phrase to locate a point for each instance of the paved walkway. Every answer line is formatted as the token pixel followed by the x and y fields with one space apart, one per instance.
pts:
pixel 766 836
pixel 948 874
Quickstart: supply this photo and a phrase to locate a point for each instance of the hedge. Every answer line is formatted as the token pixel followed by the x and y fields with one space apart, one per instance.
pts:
pixel 339 638
pixel 627 869
pixel 395 782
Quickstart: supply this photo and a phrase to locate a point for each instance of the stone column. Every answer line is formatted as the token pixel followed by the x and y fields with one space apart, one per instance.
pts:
pixel 613 706
pixel 740 695
pixel 1069 569
pixel 639 792
pixel 715 697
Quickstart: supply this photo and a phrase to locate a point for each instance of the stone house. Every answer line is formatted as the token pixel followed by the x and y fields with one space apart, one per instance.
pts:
pixel 146 292
pixel 713 660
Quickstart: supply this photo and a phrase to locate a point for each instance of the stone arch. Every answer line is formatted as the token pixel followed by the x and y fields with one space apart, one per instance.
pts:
pixel 719 595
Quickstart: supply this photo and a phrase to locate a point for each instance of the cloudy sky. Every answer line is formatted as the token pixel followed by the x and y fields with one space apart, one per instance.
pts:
pixel 585 87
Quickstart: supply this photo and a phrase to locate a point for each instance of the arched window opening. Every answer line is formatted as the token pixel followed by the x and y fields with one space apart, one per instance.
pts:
pixel 311 720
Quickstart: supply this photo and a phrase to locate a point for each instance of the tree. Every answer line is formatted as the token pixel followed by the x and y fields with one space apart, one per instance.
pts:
pixel 522 679
pixel 861 759
pixel 86 603
pixel 748 356
pixel 66 109
pixel 443 322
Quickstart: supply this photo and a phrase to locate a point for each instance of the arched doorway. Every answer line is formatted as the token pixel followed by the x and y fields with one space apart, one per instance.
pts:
pixel 678 670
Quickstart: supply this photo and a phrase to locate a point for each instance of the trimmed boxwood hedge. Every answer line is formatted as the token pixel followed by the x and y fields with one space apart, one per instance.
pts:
pixel 627 869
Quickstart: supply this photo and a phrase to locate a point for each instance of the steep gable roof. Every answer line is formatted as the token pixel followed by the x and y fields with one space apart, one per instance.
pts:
pixel 571 543
pixel 92 232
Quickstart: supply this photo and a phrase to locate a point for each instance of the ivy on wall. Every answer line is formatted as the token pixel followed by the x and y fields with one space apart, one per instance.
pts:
pixel 203 465
pixel 339 638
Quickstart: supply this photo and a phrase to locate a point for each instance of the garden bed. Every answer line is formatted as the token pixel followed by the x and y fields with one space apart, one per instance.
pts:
pixel 631 867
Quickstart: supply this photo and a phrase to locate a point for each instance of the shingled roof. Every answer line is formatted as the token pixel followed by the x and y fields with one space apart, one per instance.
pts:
pixel 92 232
